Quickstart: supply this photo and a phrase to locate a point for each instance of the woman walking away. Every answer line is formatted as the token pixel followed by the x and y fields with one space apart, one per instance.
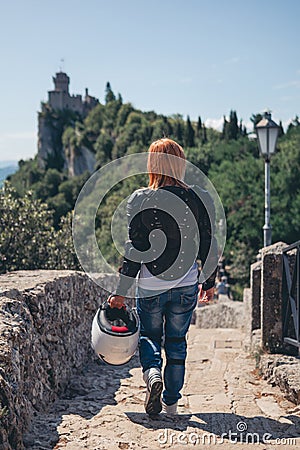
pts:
pixel 167 215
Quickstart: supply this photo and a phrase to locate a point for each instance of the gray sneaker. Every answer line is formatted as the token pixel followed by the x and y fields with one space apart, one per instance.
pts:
pixel 170 410
pixel 153 380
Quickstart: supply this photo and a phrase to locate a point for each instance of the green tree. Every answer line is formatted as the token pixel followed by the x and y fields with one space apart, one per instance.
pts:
pixel 178 129
pixel 27 175
pixel 189 135
pixel 103 147
pixel 94 121
pixel 28 239
pixel 285 188
pixel 199 128
pixel 225 124
pixel 48 186
pixel 109 95
pixel 281 130
pixel 294 123
pixel 71 188
pixel 240 186
pixel 160 129
pixel 204 134
pixel 62 255
pixel 123 114
pixel 231 128
pixel 255 118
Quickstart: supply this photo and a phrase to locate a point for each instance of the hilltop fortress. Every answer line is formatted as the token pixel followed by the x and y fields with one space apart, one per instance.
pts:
pixel 50 128
pixel 60 97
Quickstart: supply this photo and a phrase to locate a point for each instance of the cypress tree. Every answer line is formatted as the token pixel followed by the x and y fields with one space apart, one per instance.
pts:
pixel 233 129
pixel 280 131
pixel 189 138
pixel 120 99
pixel 294 123
pixel 204 135
pixel 168 130
pixel 241 128
pixel 225 126
pixel 199 127
pixel 179 132
pixel 255 118
pixel 109 95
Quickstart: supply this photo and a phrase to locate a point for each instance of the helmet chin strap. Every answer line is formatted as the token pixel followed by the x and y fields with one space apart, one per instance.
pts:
pixel 117 329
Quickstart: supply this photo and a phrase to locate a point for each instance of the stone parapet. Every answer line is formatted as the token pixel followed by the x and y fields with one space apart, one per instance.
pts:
pixel 223 314
pixel 45 323
pixel 255 287
pixel 271 298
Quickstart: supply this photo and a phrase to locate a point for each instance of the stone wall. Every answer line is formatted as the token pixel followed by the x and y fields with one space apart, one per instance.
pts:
pixel 264 317
pixel 282 371
pixel 271 298
pixel 45 323
pixel 255 286
pixel 224 313
pixel 263 302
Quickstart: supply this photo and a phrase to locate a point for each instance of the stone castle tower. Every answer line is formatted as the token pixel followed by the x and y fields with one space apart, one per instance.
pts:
pixel 49 141
pixel 61 99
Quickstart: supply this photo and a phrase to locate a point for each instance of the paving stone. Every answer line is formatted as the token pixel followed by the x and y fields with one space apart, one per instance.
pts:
pixel 270 407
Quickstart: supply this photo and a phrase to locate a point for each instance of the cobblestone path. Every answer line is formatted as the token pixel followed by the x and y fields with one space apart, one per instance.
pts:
pixel 225 405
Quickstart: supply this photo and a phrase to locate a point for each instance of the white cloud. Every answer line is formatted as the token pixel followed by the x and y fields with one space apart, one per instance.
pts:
pixel 285 123
pixel 217 124
pixel 249 126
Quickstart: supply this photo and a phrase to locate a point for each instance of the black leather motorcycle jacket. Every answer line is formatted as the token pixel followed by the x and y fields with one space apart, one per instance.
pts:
pixel 169 228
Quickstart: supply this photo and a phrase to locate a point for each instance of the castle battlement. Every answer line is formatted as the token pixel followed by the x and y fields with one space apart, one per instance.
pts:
pixel 60 98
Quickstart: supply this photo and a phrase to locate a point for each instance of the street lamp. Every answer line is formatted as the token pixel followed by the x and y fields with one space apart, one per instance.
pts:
pixel 267 133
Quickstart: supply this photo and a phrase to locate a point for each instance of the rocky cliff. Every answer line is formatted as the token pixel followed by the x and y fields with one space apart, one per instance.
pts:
pixel 74 159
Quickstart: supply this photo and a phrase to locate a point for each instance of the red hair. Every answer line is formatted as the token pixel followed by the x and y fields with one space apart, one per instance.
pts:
pixel 163 170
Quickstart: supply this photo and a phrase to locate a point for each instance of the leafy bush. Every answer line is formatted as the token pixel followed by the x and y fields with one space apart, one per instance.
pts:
pixel 28 239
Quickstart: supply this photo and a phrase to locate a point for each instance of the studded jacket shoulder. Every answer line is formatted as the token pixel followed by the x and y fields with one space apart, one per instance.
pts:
pixel 168 229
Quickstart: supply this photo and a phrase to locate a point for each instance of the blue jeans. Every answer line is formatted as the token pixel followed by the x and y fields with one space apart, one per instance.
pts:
pixel 168 314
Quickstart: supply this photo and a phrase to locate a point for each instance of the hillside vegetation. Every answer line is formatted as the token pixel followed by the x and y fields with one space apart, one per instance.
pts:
pixel 115 129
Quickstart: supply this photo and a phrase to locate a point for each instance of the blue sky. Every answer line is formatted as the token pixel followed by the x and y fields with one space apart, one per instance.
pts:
pixel 172 56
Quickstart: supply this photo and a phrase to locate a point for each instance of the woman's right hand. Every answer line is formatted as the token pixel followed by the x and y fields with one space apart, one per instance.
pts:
pixel 206 296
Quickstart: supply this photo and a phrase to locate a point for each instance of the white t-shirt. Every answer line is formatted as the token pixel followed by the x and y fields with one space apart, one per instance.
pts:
pixel 148 281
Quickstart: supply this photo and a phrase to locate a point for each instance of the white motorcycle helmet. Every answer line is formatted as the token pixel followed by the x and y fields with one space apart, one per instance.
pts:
pixel 115 334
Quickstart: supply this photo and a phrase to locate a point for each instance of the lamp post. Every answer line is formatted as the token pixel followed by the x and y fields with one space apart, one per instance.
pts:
pixel 267 133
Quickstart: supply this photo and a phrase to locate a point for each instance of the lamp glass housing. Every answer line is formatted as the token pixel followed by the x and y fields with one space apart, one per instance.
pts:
pixel 267 133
